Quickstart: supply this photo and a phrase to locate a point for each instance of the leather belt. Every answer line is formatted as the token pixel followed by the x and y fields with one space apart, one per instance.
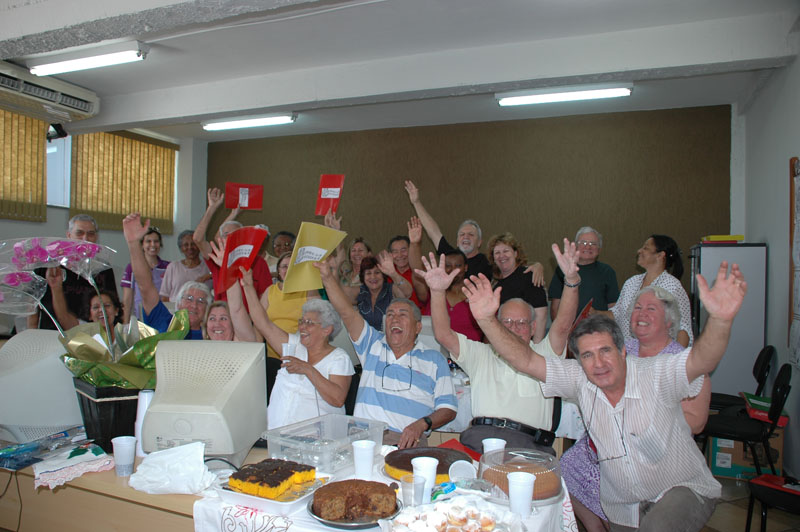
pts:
pixel 540 437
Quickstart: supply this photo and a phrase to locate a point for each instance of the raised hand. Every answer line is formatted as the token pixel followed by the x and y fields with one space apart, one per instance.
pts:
pixel 132 227
pixel 725 298
pixel 414 230
pixel 385 262
pixel 54 277
pixel 483 301
pixel 247 277
pixel 331 220
pixel 217 251
pixel 215 197
pixel 413 192
pixel 325 270
pixel 436 277
pixel 568 261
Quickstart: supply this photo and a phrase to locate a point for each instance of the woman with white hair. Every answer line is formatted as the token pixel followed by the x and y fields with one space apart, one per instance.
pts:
pixel 654 318
pixel 315 379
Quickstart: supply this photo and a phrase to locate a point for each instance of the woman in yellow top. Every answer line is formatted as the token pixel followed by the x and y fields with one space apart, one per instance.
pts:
pixel 283 310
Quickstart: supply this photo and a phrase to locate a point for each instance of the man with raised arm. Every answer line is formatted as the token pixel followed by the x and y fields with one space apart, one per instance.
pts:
pixel 262 278
pixel 468 239
pixel 652 475
pixel 403 382
pixel 193 296
pixel 506 403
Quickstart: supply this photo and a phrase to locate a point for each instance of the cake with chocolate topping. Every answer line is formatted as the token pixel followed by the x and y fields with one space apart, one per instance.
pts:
pixel 270 478
pixel 398 463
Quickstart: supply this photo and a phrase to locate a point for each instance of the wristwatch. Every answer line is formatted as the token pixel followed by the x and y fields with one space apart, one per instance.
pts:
pixel 428 421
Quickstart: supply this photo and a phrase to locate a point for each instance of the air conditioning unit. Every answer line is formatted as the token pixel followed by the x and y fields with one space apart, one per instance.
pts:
pixel 48 99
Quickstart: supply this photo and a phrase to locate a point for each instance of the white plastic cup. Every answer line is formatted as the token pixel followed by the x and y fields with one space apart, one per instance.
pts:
pixel 412 489
pixel 145 397
pixel 520 492
pixel 363 455
pixel 493 444
pixel 425 466
pixel 124 454
pixel 462 469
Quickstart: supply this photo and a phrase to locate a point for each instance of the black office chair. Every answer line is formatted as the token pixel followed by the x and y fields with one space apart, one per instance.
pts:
pixel 752 431
pixel 722 401
pixel 771 493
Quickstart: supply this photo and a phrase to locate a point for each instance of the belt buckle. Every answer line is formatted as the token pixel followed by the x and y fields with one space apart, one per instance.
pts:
pixel 502 423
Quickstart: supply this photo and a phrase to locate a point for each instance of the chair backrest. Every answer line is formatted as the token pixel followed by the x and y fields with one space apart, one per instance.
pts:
pixel 780 392
pixel 762 366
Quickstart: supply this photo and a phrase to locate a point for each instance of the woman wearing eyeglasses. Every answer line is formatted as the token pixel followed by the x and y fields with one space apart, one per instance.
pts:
pixel 314 380
pixel 283 309
pixel 654 319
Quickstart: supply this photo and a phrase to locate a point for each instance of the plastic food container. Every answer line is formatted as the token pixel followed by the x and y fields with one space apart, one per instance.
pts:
pixel 324 442
pixel 495 465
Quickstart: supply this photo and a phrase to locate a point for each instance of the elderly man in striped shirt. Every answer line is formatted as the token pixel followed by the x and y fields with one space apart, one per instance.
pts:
pixel 403 382
pixel 652 476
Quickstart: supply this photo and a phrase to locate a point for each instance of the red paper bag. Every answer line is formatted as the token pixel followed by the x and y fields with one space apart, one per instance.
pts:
pixel 241 249
pixel 244 196
pixel 330 191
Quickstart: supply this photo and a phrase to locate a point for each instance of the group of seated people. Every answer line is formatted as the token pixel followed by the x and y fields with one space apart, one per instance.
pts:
pixel 490 313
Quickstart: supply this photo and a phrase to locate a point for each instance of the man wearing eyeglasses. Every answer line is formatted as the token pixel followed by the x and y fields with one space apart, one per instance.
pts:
pixel 69 302
pixel 506 403
pixel 193 297
pixel 403 382
pixel 652 475
pixel 598 280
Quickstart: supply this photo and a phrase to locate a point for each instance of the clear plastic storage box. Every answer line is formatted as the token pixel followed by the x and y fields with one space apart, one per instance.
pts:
pixel 324 442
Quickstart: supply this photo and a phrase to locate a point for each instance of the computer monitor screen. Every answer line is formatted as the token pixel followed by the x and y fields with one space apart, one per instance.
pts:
pixel 208 391
pixel 37 395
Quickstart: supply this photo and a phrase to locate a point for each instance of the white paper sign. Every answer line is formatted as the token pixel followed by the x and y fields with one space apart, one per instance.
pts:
pixel 237 253
pixel 328 193
pixel 308 253
pixel 244 197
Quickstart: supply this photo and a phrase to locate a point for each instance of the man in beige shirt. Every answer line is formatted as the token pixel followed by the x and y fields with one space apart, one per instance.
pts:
pixel 652 475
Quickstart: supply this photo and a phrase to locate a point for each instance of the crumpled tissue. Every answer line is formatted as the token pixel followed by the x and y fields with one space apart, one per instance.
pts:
pixel 176 470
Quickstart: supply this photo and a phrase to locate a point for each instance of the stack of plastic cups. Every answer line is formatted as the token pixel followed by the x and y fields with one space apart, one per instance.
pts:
pixel 145 396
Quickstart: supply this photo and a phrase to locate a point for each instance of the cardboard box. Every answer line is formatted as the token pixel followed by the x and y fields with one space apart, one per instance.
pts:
pixel 732 459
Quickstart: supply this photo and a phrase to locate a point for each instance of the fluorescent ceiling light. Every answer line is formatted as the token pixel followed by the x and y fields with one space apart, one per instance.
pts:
pixel 253 121
pixel 115 54
pixel 564 94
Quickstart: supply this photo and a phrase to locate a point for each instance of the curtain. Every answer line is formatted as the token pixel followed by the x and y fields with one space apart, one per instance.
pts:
pixel 23 179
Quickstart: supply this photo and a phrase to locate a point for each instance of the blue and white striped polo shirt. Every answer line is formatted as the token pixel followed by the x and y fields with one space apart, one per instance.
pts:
pixel 401 390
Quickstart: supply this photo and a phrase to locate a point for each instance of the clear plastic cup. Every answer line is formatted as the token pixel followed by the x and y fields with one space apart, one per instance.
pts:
pixel 412 489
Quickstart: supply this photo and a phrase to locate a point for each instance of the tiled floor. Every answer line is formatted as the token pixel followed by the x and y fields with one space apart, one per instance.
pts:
pixel 731 512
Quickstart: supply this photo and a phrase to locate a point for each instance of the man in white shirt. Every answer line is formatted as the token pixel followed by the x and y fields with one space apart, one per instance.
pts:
pixel 652 476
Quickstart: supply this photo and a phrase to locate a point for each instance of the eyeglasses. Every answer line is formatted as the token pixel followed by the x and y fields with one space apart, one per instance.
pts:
pixel 191 299
pixel 620 430
pixel 586 243
pixel 508 322
pixel 307 322
pixel 398 375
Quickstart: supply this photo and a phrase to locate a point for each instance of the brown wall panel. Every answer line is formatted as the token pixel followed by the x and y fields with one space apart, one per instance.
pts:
pixel 627 174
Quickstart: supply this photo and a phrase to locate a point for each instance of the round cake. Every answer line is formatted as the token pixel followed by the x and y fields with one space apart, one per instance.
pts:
pixel 354 501
pixel 496 465
pixel 398 463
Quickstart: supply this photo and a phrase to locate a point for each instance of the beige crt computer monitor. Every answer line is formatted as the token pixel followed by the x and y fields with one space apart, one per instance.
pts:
pixel 208 391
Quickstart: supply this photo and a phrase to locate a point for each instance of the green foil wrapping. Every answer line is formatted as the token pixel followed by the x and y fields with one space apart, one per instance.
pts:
pixel 90 361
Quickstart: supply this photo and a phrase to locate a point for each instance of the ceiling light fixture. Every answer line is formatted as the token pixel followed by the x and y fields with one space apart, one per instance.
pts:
pixel 252 121
pixel 564 94
pixel 114 54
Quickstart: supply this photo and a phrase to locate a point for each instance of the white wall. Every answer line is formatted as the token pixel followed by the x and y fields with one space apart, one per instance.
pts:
pixel 190 204
pixel 773 137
